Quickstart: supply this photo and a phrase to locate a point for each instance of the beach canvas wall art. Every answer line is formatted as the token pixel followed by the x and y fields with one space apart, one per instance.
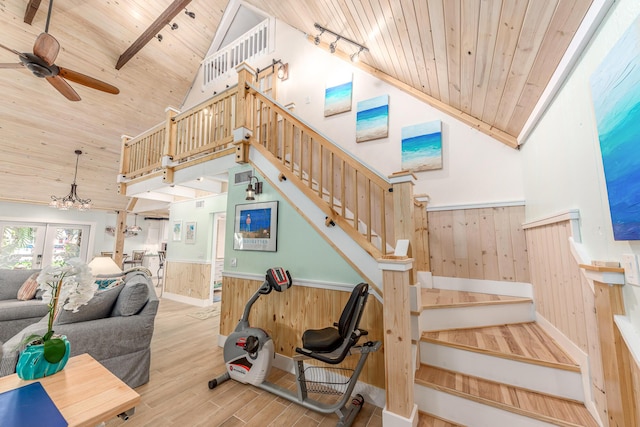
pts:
pixel 615 88
pixel 422 146
pixel 337 95
pixel 372 120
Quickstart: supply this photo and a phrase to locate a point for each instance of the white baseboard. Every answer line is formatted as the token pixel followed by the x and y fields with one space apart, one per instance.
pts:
pixel 187 300
pixel 389 419
pixel 438 319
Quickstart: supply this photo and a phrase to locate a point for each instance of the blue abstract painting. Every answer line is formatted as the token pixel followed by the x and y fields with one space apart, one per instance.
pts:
pixel 372 120
pixel 337 95
pixel 422 146
pixel 615 87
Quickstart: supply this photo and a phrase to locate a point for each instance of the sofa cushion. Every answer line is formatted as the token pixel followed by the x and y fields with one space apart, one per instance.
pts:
pixel 28 289
pixel 133 297
pixel 11 280
pixel 13 309
pixel 98 307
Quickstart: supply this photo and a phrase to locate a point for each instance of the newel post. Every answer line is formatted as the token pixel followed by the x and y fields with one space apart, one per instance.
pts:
pixel 125 154
pixel 242 133
pixel 403 211
pixel 618 383
pixel 400 409
pixel 170 142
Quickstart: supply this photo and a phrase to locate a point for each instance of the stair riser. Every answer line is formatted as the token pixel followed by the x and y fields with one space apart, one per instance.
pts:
pixel 476 316
pixel 515 289
pixel 468 412
pixel 544 379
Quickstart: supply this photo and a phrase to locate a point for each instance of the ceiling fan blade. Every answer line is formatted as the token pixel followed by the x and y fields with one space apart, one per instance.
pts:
pixel 46 47
pixel 11 50
pixel 84 80
pixel 17 65
pixel 63 87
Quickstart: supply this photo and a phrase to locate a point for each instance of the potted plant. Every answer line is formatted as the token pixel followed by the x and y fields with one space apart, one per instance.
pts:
pixel 73 285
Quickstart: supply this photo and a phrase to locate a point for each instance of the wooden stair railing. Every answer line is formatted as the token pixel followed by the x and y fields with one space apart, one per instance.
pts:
pixel 351 195
pixel 204 129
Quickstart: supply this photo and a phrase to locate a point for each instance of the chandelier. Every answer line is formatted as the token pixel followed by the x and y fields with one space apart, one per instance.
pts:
pixel 71 200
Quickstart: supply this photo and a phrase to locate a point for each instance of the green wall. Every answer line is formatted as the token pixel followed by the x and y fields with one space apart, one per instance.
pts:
pixel 300 249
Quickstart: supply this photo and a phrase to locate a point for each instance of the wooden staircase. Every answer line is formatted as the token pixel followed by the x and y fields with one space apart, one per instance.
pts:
pixel 484 361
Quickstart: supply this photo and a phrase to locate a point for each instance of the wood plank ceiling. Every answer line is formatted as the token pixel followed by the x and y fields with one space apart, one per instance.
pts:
pixel 486 61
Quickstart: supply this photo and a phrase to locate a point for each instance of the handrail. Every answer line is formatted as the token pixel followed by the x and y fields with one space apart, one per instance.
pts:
pixel 353 196
pixel 207 127
pixel 144 152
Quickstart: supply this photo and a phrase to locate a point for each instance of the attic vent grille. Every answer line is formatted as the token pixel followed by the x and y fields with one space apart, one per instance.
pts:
pixel 199 203
pixel 250 45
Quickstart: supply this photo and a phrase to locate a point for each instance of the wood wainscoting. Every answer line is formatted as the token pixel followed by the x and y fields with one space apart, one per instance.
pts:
pixel 482 243
pixel 188 279
pixel 563 296
pixel 286 315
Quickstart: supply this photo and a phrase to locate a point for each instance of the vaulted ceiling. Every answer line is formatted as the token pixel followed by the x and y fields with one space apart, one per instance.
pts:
pixel 486 62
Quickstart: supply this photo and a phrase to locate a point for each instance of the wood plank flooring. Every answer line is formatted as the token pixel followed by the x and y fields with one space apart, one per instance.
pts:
pixel 428 420
pixel 444 298
pixel 547 408
pixel 185 356
pixel 522 341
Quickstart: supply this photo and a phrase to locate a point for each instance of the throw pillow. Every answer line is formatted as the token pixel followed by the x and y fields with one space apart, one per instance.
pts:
pixel 29 288
pixel 98 307
pixel 133 297
pixel 108 283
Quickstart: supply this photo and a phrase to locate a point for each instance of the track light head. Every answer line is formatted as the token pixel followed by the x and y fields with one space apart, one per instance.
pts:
pixel 191 15
pixel 332 46
pixel 159 37
pixel 356 56
pixel 173 26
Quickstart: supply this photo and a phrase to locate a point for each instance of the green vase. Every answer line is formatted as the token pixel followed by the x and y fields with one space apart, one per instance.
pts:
pixel 32 364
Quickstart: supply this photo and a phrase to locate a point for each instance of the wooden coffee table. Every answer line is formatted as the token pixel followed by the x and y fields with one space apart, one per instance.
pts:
pixel 85 392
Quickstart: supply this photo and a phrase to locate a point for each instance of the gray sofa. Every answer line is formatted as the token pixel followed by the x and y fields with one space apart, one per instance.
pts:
pixel 15 314
pixel 115 328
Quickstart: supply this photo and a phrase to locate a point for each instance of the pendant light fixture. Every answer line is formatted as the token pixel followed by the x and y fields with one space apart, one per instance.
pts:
pixel 71 200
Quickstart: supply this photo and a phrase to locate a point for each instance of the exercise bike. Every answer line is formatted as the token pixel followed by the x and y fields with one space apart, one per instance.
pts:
pixel 249 352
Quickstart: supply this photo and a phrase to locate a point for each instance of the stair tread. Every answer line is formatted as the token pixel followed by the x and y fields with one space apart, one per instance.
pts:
pixel 444 298
pixel 515 399
pixel 522 341
pixel 428 420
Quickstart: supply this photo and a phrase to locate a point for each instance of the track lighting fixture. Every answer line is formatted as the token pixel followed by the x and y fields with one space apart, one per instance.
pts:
pixel 316 39
pixel 173 26
pixel 333 46
pixel 356 56
pixel 159 37
pixel 191 15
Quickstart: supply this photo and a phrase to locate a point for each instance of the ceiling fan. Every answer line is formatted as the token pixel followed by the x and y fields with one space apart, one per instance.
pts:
pixel 41 64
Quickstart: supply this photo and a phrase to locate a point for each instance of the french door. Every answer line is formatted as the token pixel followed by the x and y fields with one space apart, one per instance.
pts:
pixel 35 245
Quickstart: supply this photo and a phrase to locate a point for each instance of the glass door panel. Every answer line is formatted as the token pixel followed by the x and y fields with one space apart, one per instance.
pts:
pixel 26 246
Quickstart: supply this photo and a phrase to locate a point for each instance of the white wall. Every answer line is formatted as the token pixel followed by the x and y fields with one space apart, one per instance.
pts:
pixel 561 158
pixel 477 169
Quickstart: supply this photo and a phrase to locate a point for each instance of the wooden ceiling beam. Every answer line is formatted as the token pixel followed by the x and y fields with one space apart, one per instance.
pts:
pixel 30 12
pixel 150 32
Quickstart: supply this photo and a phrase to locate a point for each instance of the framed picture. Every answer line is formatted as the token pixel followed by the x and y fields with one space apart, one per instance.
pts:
pixel 372 119
pixel 190 232
pixel 256 227
pixel 337 95
pixel 176 231
pixel 422 146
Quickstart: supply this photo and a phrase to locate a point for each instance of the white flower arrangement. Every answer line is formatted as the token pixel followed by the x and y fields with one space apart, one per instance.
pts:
pixel 73 284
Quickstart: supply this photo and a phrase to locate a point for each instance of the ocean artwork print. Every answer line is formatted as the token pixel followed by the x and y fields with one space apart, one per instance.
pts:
pixel 615 89
pixel 337 95
pixel 422 146
pixel 372 120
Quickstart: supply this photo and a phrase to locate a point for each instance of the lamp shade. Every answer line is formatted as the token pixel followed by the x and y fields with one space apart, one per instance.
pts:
pixel 104 265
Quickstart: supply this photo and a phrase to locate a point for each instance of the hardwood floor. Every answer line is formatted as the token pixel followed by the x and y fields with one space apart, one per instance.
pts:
pixel 185 356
